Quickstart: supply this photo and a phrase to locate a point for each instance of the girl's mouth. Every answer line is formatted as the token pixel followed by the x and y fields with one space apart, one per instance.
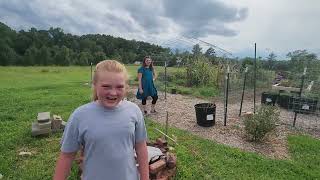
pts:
pixel 111 98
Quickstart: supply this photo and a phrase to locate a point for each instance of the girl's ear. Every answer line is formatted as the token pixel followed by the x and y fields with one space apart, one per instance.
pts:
pixel 127 89
pixel 94 93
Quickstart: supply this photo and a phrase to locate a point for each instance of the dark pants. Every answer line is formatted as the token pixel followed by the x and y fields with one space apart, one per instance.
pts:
pixel 154 100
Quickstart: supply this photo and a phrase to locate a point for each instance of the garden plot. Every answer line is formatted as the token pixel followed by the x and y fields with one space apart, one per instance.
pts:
pixel 182 115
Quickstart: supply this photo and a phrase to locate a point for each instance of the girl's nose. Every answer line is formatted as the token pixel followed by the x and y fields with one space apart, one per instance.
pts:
pixel 113 91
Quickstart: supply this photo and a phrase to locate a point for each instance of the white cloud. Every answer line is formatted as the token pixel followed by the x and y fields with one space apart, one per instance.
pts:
pixel 235 25
pixel 280 26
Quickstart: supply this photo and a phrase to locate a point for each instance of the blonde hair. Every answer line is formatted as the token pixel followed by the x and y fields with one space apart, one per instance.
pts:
pixel 108 66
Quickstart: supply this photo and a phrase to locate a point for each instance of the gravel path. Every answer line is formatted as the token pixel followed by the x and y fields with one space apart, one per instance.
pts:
pixel 182 115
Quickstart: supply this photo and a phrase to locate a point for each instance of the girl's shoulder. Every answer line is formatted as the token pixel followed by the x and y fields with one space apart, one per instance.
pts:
pixel 141 69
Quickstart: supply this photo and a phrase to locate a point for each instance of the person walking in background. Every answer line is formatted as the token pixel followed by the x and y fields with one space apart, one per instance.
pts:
pixel 109 129
pixel 146 78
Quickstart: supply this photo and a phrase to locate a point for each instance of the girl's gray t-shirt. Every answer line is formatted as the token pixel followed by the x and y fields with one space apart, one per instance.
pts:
pixel 108 137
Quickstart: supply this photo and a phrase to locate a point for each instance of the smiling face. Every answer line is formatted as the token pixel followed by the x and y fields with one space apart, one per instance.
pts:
pixel 110 88
pixel 148 62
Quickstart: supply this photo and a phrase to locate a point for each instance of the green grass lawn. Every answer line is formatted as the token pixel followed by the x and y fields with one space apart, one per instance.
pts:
pixel 25 91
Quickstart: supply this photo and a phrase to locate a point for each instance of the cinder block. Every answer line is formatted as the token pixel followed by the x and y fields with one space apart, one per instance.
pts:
pixel 56 130
pixel 35 130
pixel 172 161
pixel 56 117
pixel 44 125
pixel 56 123
pixel 43 117
pixel 166 174
pixel 63 124
pixel 157 166
pixel 161 142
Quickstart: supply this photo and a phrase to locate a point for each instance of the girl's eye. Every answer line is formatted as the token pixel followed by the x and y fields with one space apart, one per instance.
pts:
pixel 120 87
pixel 106 87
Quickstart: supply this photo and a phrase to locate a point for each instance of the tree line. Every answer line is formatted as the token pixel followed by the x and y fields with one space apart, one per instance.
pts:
pixel 54 47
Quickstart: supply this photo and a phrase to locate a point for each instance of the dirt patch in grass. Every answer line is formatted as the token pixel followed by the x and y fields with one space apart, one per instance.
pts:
pixel 182 115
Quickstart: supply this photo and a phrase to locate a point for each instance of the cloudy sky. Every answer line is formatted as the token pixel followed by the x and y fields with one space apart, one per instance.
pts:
pixel 278 26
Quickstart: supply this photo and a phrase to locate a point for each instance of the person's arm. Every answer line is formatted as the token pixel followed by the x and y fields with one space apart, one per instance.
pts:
pixel 63 166
pixel 140 83
pixel 142 158
pixel 154 74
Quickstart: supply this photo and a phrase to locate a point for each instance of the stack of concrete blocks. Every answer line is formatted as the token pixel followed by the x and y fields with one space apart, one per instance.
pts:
pixel 43 124
pixel 165 167
pixel 57 124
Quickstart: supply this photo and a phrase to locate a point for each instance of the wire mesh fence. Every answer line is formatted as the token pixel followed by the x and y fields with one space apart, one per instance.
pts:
pixel 297 94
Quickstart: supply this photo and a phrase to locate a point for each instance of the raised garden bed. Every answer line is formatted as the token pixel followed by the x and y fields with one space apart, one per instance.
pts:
pixel 283 101
pixel 285 88
pixel 303 105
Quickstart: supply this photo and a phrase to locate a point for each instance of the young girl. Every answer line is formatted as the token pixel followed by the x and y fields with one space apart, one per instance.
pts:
pixel 109 129
pixel 146 76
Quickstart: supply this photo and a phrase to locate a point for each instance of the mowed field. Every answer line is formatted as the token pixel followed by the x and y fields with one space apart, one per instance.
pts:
pixel 25 91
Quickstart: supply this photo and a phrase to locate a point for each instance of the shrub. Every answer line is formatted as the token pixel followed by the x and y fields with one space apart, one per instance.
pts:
pixel 208 91
pixel 261 123
pixel 182 90
pixel 162 77
pixel 44 70
pixel 201 72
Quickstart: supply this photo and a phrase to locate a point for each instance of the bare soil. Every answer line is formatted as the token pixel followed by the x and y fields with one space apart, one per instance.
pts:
pixel 182 115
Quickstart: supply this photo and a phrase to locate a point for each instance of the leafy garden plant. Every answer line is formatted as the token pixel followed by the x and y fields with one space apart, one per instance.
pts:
pixel 261 123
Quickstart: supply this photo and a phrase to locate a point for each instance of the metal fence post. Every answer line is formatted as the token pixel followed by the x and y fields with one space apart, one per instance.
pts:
pixel 244 86
pixel 165 80
pixel 255 78
pixel 91 74
pixel 300 93
pixel 226 94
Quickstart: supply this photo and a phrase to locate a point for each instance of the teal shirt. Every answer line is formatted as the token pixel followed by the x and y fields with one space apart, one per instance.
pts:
pixel 147 83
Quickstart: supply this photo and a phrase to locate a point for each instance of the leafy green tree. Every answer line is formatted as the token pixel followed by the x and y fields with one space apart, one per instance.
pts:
pixel 129 57
pixel 211 55
pixel 196 50
pixel 247 61
pixel 57 36
pixel 44 56
pixel 22 42
pixel 271 60
pixel 7 54
pixel 63 56
pixel 84 58
pixel 30 56
pixel 300 59
pixel 98 56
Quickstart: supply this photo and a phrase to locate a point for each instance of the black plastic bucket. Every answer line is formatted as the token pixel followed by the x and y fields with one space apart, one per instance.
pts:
pixel 206 114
